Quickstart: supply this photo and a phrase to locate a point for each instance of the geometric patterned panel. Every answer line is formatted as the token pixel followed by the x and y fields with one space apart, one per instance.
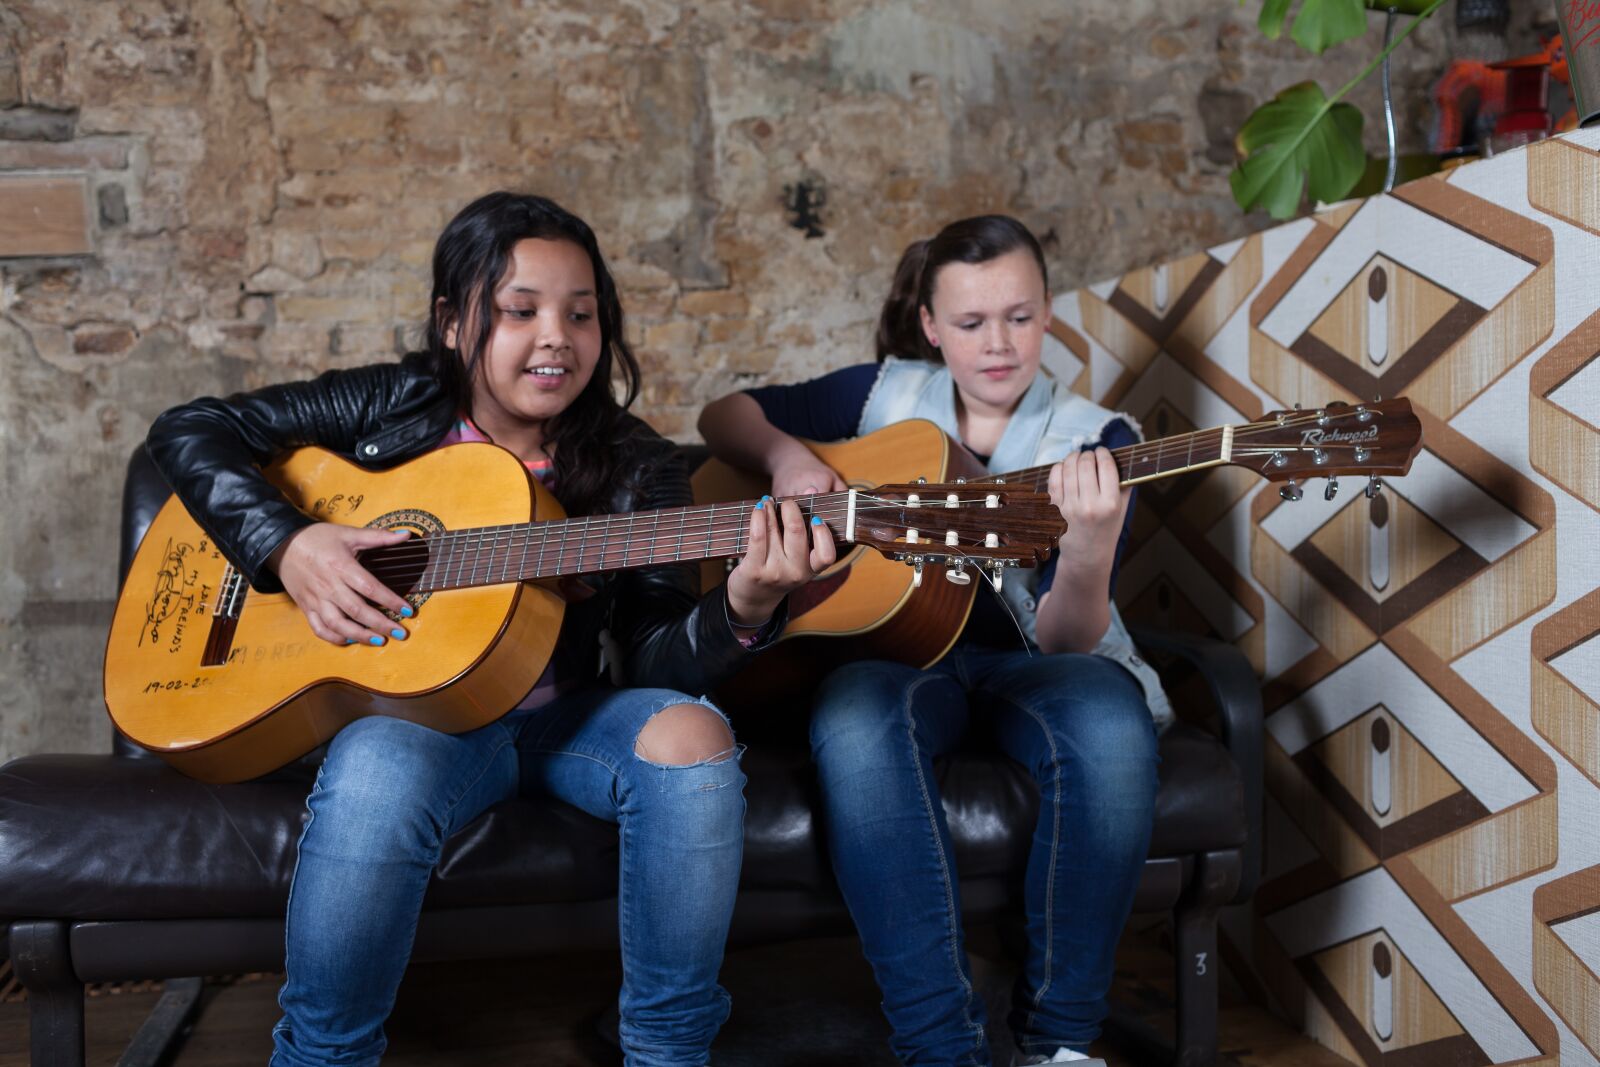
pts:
pixel 1427 656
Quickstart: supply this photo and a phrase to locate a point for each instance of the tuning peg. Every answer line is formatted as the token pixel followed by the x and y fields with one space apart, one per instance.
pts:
pixel 1374 486
pixel 998 569
pixel 916 572
pixel 1291 492
pixel 957 574
pixel 1332 490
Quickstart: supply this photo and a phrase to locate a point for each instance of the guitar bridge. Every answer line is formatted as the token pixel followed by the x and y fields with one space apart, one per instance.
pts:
pixel 224 619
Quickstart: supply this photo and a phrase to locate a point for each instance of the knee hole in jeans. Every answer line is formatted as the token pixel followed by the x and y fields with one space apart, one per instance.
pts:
pixel 683 734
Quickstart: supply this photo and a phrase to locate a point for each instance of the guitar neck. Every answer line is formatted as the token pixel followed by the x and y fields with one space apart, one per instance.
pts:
pixel 1149 460
pixel 491 555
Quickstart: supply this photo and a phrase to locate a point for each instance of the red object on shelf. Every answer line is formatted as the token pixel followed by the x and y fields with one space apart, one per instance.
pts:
pixel 1515 93
pixel 1527 101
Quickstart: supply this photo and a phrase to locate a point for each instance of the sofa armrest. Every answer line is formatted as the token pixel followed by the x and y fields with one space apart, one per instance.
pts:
pixel 1237 693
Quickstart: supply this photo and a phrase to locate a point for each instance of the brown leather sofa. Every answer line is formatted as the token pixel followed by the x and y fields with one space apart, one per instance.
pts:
pixel 117 867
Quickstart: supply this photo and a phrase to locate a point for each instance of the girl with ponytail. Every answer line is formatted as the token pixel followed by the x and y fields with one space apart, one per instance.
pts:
pixel 959 342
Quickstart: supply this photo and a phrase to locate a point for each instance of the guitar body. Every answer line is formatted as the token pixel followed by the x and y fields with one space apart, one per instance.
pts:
pixel 865 598
pixel 273 690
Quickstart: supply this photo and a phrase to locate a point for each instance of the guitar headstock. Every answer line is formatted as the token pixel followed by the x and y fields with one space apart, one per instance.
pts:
pixel 985 524
pixel 1329 442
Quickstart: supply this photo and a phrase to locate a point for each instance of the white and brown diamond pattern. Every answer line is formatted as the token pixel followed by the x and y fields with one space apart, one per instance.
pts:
pixel 1419 649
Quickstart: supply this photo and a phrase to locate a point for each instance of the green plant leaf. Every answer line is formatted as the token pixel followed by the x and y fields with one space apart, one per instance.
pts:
pixel 1296 135
pixel 1333 155
pixel 1321 24
pixel 1273 13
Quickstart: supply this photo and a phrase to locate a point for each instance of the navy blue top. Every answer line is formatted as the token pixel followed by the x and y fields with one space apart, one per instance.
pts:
pixel 829 408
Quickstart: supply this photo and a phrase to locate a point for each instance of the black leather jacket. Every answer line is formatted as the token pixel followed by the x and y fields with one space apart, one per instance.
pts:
pixel 210 451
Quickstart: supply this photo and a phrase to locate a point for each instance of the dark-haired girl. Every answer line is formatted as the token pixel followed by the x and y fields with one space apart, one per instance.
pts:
pixel 524 348
pixel 959 343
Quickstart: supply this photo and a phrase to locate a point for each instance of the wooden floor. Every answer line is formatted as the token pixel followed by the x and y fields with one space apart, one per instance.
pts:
pixel 802 1004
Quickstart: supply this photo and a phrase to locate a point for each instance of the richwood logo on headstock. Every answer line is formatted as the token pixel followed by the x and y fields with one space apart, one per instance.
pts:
pixel 1321 437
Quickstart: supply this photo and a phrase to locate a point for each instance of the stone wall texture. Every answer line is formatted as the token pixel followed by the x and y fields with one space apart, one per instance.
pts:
pixel 261 183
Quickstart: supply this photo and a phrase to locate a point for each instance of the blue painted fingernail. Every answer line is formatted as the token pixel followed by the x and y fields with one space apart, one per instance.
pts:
pixel 407 612
pixel 376 640
pixel 761 503
pixel 349 640
pixel 399 635
pixel 816 520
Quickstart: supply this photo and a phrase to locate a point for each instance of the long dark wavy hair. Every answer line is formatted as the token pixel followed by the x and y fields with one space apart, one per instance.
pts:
pixel 975 240
pixel 586 440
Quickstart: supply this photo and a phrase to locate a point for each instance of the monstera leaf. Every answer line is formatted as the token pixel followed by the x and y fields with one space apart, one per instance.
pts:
pixel 1321 24
pixel 1299 135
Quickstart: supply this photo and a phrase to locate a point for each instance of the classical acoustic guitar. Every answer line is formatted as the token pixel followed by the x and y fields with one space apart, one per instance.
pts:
pixel 885 609
pixel 226 683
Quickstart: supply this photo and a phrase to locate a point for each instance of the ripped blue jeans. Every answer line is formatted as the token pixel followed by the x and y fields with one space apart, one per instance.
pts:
pixel 390 793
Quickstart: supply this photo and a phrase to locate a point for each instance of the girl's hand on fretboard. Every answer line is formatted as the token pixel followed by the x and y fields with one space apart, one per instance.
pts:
pixel 782 557
pixel 1085 486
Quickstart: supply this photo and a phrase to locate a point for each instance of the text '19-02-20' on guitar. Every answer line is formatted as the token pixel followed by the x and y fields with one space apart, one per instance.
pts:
pixel 887 610
pixel 226 683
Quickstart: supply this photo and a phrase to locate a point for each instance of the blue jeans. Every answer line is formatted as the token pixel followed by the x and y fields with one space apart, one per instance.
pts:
pixel 390 793
pixel 1080 726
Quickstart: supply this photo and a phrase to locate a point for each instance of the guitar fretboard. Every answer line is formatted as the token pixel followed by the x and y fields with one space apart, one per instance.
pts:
pixel 490 555
pixel 1147 461
pixel 595 544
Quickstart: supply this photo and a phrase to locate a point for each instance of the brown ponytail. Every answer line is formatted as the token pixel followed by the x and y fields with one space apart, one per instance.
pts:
pixel 900 322
pixel 974 240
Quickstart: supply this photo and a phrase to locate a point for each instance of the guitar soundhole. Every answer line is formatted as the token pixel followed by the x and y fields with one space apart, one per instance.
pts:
pixel 402 567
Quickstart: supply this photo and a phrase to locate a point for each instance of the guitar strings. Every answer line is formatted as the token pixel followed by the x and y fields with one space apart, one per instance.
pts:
pixel 717 530
pixel 1130 452
pixel 1156 449
pixel 719 537
pixel 630 522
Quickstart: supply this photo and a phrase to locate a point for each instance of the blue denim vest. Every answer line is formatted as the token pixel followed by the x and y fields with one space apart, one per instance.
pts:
pixel 1050 422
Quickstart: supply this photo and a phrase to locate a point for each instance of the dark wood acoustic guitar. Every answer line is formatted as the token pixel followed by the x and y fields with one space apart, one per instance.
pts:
pixel 882 608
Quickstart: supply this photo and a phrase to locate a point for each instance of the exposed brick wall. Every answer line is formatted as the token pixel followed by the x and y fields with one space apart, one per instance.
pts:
pixel 262 182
